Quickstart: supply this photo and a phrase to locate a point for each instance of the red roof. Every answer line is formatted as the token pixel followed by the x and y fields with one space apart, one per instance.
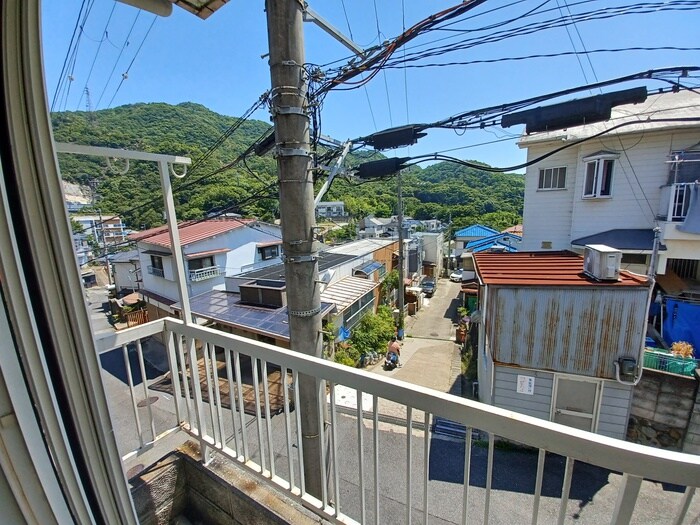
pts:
pixel 542 269
pixel 190 231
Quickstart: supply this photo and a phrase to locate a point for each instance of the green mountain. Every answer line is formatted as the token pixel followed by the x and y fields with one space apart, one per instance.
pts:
pixel 445 191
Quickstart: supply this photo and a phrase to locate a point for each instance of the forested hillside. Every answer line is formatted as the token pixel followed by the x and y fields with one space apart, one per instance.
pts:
pixel 444 191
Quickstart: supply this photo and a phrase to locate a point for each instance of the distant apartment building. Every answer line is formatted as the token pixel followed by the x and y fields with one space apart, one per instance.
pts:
pixel 330 209
pixel 107 230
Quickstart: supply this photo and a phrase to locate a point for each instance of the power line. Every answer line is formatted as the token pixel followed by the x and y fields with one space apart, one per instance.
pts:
pixel 125 75
pixel 66 59
pixel 540 55
pixel 116 62
pixel 436 156
pixel 94 59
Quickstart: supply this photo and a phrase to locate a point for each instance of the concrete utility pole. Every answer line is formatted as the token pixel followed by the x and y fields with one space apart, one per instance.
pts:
pixel 291 120
pixel 399 218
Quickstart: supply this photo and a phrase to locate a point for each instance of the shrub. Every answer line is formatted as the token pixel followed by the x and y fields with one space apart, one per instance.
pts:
pixel 374 331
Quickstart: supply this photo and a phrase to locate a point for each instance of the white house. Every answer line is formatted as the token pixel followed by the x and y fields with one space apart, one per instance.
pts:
pixel 126 270
pixel 433 250
pixel 330 209
pixel 556 344
pixel 371 227
pixel 615 188
pixel 211 249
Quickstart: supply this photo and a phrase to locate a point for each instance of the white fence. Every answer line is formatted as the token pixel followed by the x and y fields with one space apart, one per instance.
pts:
pixel 234 416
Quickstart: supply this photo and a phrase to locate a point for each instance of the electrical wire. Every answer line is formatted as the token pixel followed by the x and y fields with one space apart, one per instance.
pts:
pixel 97 53
pixel 209 216
pixel 125 75
pixel 116 62
pixel 435 156
pixel 540 55
pixel 69 52
pixel 188 184
pixel 74 55
pixel 530 28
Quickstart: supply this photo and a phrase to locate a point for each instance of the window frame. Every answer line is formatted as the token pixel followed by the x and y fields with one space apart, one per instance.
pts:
pixel 267 253
pixel 559 174
pixel 201 260
pixel 601 187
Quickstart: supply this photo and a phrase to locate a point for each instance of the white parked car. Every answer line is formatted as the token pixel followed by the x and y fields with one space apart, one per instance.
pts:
pixel 456 276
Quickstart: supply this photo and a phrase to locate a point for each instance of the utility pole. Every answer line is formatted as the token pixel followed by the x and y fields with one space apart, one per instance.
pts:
pixel 104 247
pixel 399 217
pixel 291 121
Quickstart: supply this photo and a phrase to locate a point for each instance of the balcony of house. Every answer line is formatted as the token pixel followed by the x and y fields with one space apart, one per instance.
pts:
pixel 202 274
pixel 673 213
pixel 154 270
pixel 207 410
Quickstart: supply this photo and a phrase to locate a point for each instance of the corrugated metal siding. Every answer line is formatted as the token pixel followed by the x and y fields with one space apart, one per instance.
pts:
pixel 614 409
pixel 576 331
pixel 506 395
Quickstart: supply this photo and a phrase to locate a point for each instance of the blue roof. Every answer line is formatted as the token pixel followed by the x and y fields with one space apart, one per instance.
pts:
pixel 505 238
pixel 476 230
pixel 495 246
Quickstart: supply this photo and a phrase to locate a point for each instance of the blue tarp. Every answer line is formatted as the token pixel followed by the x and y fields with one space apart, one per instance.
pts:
pixel 343 334
pixel 682 323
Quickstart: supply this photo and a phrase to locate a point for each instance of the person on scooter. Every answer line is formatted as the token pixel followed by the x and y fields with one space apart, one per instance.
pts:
pixel 394 348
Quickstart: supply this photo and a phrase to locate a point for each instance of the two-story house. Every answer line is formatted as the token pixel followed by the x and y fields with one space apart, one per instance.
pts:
pixel 330 209
pixel 211 249
pixel 615 187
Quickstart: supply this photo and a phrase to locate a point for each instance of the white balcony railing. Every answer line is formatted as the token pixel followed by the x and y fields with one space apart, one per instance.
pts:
pixel 677 197
pixel 204 273
pixel 233 416
pixel 158 272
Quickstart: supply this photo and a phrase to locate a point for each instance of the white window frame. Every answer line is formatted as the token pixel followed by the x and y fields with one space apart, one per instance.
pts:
pixel 558 171
pixel 599 162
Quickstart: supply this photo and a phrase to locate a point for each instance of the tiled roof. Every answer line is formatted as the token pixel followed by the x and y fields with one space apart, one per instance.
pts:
pixel 517 230
pixel 476 230
pixel 542 269
pixel 190 232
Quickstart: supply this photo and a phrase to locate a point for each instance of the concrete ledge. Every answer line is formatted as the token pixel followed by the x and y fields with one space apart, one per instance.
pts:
pixel 219 493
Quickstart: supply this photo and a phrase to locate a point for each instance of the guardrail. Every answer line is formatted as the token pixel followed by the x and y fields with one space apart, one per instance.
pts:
pixel 226 389
pixel 204 273
pixel 158 272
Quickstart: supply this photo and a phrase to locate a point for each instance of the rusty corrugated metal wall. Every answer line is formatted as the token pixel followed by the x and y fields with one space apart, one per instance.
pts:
pixel 577 331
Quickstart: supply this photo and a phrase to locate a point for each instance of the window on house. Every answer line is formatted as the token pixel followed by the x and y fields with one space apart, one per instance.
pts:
pixel 198 264
pixel 598 176
pixel 157 262
pixel 552 179
pixel 269 252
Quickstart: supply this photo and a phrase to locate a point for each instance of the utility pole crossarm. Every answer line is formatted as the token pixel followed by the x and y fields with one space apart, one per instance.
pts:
pixel 312 16
pixel 334 171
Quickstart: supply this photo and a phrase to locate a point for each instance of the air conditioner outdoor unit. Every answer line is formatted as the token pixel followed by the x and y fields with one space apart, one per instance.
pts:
pixel 602 262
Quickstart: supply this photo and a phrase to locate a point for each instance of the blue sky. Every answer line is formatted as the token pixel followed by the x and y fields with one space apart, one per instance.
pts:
pixel 217 62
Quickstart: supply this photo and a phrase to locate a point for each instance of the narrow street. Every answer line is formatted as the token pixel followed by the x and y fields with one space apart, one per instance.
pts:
pixel 429 354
